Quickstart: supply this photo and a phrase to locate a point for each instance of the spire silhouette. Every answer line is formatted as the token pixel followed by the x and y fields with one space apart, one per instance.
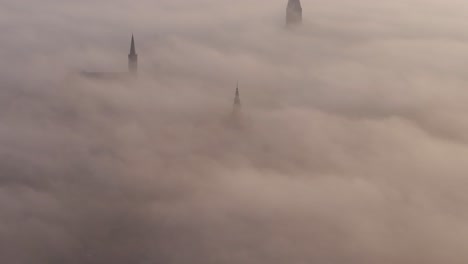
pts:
pixel 236 114
pixel 133 58
pixel 237 102
pixel 236 109
pixel 132 47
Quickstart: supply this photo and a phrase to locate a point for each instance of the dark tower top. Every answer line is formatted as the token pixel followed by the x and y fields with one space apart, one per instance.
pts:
pixel 237 102
pixel 294 12
pixel 133 58
pixel 235 119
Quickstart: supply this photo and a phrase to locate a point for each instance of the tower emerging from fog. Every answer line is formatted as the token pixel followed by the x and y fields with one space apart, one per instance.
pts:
pixel 117 76
pixel 237 102
pixel 293 13
pixel 133 58
pixel 235 118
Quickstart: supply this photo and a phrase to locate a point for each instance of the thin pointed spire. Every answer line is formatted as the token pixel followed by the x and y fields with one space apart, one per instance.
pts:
pixel 236 114
pixel 133 58
pixel 132 47
pixel 237 102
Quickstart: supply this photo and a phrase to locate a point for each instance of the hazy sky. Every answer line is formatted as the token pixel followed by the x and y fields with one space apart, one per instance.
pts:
pixel 352 146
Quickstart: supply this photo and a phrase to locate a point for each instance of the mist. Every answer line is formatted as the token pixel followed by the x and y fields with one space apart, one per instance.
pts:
pixel 351 145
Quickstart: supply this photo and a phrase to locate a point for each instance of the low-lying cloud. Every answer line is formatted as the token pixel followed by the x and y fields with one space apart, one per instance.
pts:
pixel 351 147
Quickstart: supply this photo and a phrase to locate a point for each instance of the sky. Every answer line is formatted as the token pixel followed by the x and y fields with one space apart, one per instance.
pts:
pixel 351 146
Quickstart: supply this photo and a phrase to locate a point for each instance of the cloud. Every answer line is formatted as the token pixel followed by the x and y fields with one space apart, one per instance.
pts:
pixel 351 146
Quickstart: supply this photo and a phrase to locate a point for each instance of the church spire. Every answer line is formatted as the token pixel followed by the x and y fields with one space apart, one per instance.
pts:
pixel 132 46
pixel 237 102
pixel 235 118
pixel 133 58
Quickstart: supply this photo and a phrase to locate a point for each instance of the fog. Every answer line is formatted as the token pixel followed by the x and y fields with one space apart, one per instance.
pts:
pixel 351 146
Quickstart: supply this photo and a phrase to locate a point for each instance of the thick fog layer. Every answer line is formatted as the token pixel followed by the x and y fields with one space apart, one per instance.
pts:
pixel 351 146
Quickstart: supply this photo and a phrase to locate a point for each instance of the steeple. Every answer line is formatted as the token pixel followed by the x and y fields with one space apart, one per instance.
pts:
pixel 237 103
pixel 132 47
pixel 235 119
pixel 133 58
pixel 293 12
